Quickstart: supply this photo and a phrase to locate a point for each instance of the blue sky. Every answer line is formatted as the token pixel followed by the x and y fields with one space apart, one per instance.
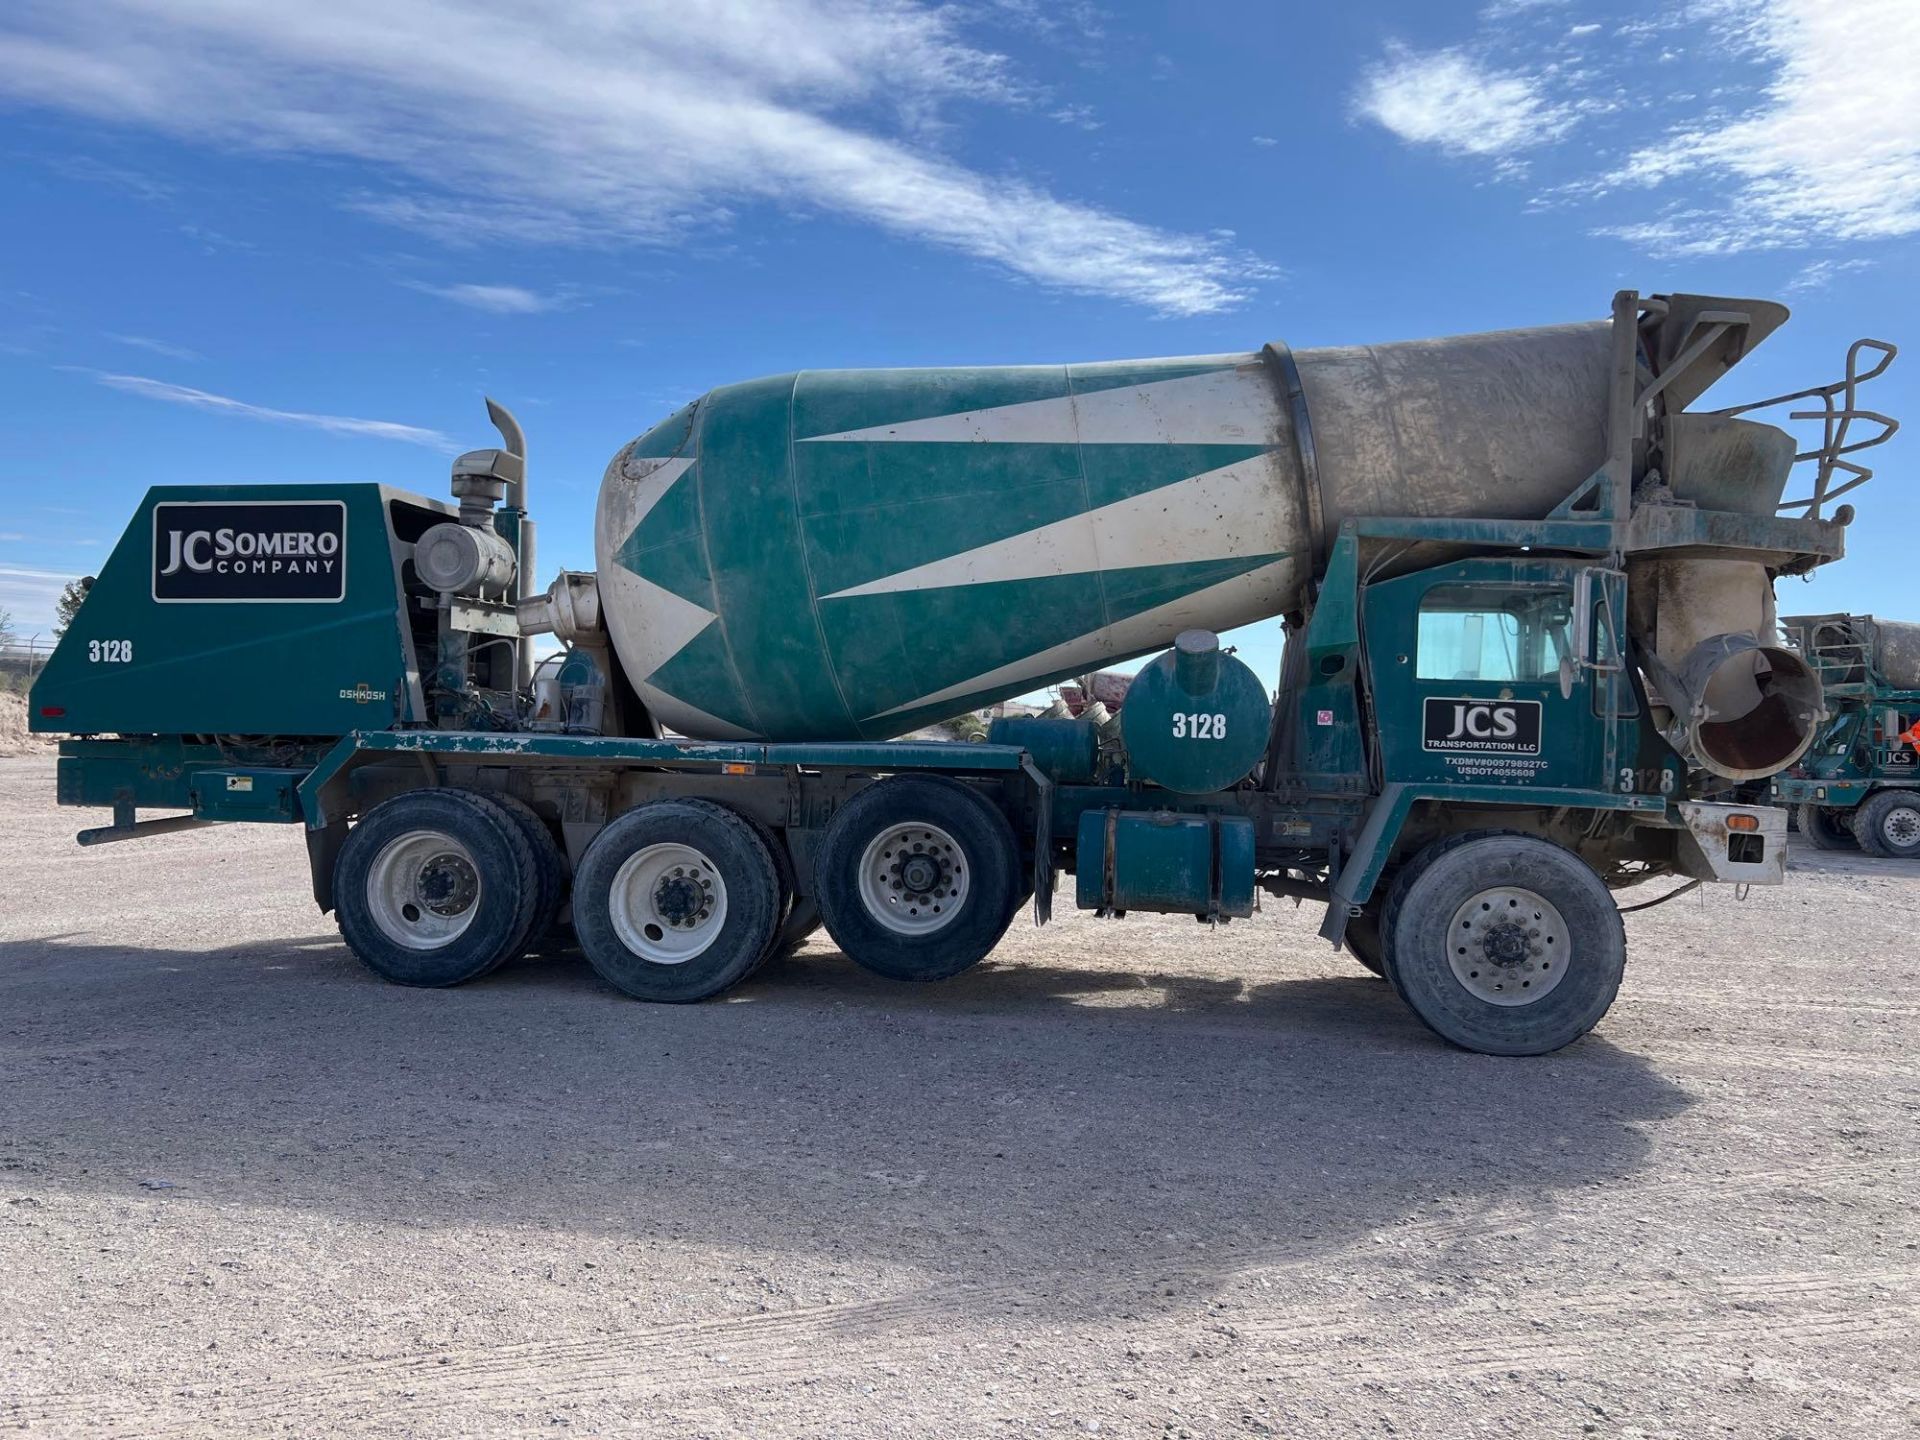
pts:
pixel 272 242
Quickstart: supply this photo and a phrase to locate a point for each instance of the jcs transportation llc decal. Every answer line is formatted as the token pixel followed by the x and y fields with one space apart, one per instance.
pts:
pixel 1458 724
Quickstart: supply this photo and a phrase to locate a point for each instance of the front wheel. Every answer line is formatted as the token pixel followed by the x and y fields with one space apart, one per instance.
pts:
pixel 1826 828
pixel 1506 944
pixel 1888 824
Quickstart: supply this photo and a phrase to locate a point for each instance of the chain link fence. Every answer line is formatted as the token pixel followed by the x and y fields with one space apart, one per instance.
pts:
pixel 21 657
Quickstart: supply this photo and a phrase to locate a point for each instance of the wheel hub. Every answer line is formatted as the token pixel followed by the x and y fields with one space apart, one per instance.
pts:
pixel 1508 946
pixel 682 899
pixel 667 903
pixel 423 889
pixel 913 878
pixel 447 885
pixel 1902 826
pixel 919 873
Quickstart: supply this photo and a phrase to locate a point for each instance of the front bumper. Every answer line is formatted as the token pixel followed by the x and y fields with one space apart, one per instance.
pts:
pixel 1809 790
pixel 1733 844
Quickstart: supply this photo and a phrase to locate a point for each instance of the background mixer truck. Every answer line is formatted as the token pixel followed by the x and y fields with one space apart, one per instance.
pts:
pixel 1859 782
pixel 1530 657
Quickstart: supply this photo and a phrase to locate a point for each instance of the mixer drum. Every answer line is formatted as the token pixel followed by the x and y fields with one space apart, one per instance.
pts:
pixel 857 553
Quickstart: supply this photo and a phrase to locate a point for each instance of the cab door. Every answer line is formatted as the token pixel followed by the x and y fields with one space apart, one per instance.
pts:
pixel 1480 677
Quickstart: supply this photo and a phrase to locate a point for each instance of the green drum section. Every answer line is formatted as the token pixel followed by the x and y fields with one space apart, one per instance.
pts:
pixel 839 554
pixel 1196 719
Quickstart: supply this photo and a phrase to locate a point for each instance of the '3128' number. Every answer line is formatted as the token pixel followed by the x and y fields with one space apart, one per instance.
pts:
pixel 1199 725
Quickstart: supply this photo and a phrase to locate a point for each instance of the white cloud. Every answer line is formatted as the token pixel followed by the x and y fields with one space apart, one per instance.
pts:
pixel 1450 99
pixel 223 405
pixel 499 299
pixel 1063 21
pixel 157 347
pixel 605 122
pixel 29 596
pixel 1509 9
pixel 1831 152
pixel 1819 274
pixel 1580 32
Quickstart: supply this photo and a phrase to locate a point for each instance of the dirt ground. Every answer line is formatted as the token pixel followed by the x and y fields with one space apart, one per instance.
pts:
pixel 15 739
pixel 1126 1179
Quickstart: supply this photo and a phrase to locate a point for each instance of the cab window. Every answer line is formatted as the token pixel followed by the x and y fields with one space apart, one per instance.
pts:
pixel 1501 633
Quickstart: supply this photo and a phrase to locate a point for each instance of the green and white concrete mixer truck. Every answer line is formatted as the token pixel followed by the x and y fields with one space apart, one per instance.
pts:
pixel 1530 658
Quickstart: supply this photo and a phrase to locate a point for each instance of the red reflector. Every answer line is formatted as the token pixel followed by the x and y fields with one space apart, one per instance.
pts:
pixel 52 712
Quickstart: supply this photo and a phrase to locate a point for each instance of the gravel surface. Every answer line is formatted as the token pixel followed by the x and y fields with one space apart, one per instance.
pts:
pixel 1127 1178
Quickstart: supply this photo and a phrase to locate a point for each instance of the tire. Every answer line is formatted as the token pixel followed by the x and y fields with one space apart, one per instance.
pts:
pixel 1022 874
pixel 924 913
pixel 551 871
pixel 1825 827
pixel 783 875
pixel 435 887
pixel 1397 886
pixel 1465 946
pixel 1364 943
pixel 801 922
pixel 1887 824
pixel 676 901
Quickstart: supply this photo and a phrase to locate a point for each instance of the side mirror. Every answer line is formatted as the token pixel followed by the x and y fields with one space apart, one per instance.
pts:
pixel 1566 677
pixel 1582 624
pixel 1593 605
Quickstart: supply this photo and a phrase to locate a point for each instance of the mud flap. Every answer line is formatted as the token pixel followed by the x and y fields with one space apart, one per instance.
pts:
pixel 323 849
pixel 1353 886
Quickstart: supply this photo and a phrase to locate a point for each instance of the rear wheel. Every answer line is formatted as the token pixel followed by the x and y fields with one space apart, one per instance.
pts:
pixel 676 901
pixel 1505 944
pixel 1888 824
pixel 783 875
pixel 1826 828
pixel 435 887
pixel 915 878
pixel 551 871
pixel 803 919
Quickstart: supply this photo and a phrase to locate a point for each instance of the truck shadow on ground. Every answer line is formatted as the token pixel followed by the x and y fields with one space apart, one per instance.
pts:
pixel 1090 1124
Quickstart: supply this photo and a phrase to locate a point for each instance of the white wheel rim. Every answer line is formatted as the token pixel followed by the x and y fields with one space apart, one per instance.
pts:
pixel 1509 946
pixel 1900 826
pixel 424 890
pixel 915 879
pixel 668 903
